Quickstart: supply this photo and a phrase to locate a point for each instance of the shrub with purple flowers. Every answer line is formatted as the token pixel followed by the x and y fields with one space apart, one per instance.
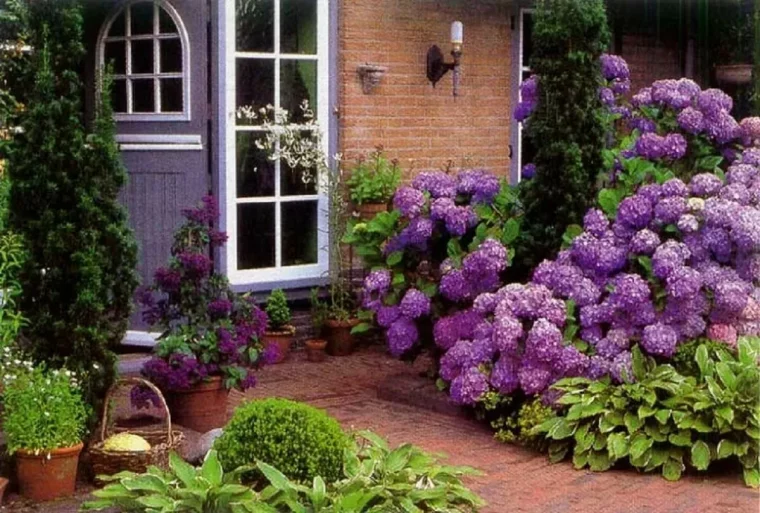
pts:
pixel 445 242
pixel 208 330
pixel 677 262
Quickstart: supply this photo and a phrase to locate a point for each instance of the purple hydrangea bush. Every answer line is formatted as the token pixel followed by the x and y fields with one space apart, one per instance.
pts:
pixel 208 330
pixel 444 243
pixel 677 262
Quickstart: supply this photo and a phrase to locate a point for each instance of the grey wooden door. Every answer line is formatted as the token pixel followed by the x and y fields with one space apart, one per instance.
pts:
pixel 159 53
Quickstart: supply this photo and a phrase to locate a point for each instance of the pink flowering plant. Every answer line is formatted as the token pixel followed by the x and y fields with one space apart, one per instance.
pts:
pixel 445 241
pixel 208 330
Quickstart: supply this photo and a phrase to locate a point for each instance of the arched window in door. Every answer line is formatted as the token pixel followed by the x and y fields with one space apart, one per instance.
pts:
pixel 146 44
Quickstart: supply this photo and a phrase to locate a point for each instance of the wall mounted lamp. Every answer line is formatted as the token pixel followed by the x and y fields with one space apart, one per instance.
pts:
pixel 437 67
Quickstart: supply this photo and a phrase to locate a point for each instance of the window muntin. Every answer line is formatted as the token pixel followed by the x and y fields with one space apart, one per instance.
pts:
pixel 147 45
pixel 277 222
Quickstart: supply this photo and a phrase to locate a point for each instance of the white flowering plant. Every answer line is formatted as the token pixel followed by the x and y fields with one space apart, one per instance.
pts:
pixel 44 409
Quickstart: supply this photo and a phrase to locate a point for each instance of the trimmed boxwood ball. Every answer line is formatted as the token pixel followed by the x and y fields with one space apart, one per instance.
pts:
pixel 299 440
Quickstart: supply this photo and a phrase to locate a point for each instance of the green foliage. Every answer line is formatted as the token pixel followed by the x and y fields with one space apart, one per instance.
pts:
pixel 374 180
pixel 277 310
pixel 183 489
pixel 11 261
pixel 567 126
pixel 44 409
pixel 377 479
pixel 664 421
pixel 300 440
pixel 684 360
pixel 513 418
pixel 79 276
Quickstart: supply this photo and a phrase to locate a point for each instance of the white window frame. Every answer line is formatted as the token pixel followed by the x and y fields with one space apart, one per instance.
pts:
pixel 156 37
pixel 290 276
pixel 523 68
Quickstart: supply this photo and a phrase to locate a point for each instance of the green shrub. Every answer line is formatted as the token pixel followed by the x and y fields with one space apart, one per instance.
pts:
pixel 183 489
pixel 11 260
pixel 301 441
pixel 374 180
pixel 277 310
pixel 44 409
pixel 567 127
pixel 79 277
pixel 664 421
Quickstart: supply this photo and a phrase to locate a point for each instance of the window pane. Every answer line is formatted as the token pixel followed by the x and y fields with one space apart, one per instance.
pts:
pixel 299 232
pixel 143 99
pixel 119 95
pixel 255 172
pixel 298 82
pixel 116 54
pixel 298 26
pixel 255 237
pixel 166 23
pixel 255 86
pixel 171 95
pixel 527 38
pixel 255 25
pixel 171 56
pixel 117 27
pixel 142 56
pixel 142 18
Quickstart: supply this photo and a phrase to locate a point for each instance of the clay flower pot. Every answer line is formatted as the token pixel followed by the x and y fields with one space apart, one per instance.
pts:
pixel 367 211
pixel 43 478
pixel 200 408
pixel 315 350
pixel 340 341
pixel 283 339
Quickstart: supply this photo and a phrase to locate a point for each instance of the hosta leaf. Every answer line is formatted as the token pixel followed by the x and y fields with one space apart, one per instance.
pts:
pixel 752 477
pixel 617 446
pixel 646 411
pixel 580 459
pixel 726 375
pixel 640 443
pixel 561 430
pixel 211 470
pixel 672 470
pixel 184 471
pixel 558 451
pixel 145 482
pixel 600 441
pixel 632 422
pixel 725 412
pixel 726 448
pixel 700 455
pixel 599 461
pixel 681 439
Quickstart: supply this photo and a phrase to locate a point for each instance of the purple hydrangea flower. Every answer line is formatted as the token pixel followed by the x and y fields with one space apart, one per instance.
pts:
pixel 691 120
pixel 415 304
pixel 437 183
pixel 409 201
pixel 659 339
pixel 402 335
pixel 468 387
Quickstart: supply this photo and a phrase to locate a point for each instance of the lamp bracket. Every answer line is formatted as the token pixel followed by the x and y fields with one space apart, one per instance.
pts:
pixel 436 66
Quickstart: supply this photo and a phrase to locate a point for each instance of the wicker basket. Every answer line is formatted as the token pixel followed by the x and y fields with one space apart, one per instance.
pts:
pixel 162 442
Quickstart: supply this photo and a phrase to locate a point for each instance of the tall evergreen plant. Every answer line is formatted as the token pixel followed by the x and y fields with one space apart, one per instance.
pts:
pixel 80 275
pixel 567 127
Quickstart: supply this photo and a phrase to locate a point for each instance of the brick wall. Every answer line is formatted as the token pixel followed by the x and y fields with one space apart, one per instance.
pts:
pixel 650 59
pixel 426 128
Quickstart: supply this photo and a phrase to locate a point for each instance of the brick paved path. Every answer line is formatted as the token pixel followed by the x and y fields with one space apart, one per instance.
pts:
pixel 516 480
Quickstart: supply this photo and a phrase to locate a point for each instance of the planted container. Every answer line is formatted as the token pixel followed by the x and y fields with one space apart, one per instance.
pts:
pixel 46 476
pixel 316 350
pixel 202 407
pixel 340 341
pixel 283 339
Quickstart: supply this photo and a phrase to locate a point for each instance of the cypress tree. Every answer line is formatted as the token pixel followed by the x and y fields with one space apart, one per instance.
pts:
pixel 566 128
pixel 79 278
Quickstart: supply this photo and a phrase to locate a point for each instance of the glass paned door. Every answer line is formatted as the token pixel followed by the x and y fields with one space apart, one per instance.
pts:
pixel 275 216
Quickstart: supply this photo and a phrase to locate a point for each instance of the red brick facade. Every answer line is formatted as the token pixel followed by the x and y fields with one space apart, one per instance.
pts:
pixel 427 128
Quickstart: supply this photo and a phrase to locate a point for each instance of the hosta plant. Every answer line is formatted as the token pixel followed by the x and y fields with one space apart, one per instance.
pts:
pixel 659 420
pixel 181 489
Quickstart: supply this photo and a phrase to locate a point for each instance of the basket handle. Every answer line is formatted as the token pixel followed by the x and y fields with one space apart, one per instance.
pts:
pixel 135 381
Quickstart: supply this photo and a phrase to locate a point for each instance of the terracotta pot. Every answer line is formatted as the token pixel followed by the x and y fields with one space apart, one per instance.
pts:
pixel 3 485
pixel 315 350
pixel 340 341
pixel 734 73
pixel 369 210
pixel 42 479
pixel 282 339
pixel 202 407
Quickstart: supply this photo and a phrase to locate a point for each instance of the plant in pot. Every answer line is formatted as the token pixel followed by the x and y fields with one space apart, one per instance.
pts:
pixel 211 338
pixel 44 423
pixel 316 347
pixel 734 28
pixel 372 183
pixel 279 334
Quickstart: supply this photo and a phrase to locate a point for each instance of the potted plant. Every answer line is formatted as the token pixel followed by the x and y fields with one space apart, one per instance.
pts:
pixel 279 333
pixel 372 183
pixel 733 53
pixel 211 338
pixel 44 423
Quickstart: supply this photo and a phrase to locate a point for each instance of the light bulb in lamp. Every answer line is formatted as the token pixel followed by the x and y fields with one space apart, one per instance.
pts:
pixel 457 35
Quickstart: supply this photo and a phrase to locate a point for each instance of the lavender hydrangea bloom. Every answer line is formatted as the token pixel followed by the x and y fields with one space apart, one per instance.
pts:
pixel 643 125
pixel 387 315
pixel 528 171
pixel 650 146
pixel 645 242
pixel 595 222
pixel 455 287
pixel 674 187
pixel 723 128
pixel 614 67
pixel 674 146
pixel 528 99
pixel 504 375
pixel 713 102
pixel 642 98
pixel 482 185
pixel 741 173
pixel 635 211
pixel 468 387
pixel 534 377
pixel 415 304
pixel 402 335
pixel 688 223
pixel 691 120
pixel 669 210
pixel 750 131
pixel 705 184
pixel 751 156
pixel 409 201
pixel 669 257
pixel 659 340
pixel 607 96
pixel 437 183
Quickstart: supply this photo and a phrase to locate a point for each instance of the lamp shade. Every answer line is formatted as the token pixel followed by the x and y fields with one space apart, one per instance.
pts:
pixel 457 33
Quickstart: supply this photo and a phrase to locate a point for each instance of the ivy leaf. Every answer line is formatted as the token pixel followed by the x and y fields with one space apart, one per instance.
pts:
pixel 700 455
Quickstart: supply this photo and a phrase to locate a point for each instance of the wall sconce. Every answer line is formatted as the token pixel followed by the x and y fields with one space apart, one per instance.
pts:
pixel 437 67
pixel 370 75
